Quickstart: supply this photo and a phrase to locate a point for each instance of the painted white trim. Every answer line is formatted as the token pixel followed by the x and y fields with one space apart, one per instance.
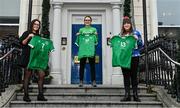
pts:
pixel 8 24
pixel 23 19
pixel 169 26
pixel 153 18
pixel 56 38
pixel 80 19
pixel 87 1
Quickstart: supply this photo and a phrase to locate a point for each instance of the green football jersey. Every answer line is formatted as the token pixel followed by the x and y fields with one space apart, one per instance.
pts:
pixel 122 50
pixel 86 42
pixel 39 55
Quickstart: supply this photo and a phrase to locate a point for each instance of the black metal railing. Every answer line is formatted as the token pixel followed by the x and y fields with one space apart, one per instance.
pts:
pixel 10 51
pixel 162 65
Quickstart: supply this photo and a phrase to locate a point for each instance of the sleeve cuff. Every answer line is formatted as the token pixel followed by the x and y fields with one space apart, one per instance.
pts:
pixel 31 45
pixel 52 50
pixel 76 44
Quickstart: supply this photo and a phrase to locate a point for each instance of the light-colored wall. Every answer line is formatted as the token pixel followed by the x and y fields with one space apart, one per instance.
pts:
pixel 24 8
pixel 23 18
pixel 138 13
pixel 37 9
pixel 152 25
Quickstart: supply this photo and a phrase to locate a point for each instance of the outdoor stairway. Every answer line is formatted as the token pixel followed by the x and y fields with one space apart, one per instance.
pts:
pixel 87 96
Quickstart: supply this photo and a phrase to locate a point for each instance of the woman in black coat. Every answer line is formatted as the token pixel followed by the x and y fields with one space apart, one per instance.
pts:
pixel 24 40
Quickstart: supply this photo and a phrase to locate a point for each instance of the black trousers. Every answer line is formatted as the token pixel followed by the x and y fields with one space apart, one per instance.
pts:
pixel 92 67
pixel 130 75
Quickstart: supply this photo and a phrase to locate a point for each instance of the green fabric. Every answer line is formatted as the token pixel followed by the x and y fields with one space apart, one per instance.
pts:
pixel 39 55
pixel 86 42
pixel 122 48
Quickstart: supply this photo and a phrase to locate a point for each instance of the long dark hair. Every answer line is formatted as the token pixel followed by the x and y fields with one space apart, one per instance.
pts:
pixel 126 20
pixel 31 25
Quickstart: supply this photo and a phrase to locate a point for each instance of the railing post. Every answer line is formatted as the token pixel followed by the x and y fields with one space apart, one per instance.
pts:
pixel 177 84
pixel 178 73
pixel 145 41
pixel 29 12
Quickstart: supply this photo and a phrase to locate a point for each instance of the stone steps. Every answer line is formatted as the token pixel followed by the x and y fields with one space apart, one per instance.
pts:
pixel 86 96
pixel 84 89
pixel 104 96
pixel 87 104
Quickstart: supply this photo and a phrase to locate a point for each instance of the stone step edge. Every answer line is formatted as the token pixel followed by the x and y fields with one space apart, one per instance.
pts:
pixel 76 86
pixel 83 94
pixel 88 102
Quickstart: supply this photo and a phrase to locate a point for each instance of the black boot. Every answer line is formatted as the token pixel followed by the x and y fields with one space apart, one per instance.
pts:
pixel 26 94
pixel 26 90
pixel 136 97
pixel 135 93
pixel 26 98
pixel 126 97
pixel 41 97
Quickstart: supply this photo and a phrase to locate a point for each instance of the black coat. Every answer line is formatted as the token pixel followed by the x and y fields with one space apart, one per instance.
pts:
pixel 24 60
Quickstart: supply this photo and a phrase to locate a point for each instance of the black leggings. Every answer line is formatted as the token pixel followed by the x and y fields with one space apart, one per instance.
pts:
pixel 131 74
pixel 92 66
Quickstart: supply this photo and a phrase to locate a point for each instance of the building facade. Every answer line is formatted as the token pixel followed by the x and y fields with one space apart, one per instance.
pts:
pixel 66 17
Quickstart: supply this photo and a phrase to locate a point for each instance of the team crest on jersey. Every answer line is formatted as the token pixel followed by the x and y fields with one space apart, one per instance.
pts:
pixel 123 44
pixel 46 43
pixel 87 40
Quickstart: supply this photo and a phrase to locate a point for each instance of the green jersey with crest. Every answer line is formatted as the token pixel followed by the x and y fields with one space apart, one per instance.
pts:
pixel 39 55
pixel 122 48
pixel 86 42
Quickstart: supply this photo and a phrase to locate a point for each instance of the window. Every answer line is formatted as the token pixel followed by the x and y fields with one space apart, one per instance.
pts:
pixel 9 16
pixel 168 12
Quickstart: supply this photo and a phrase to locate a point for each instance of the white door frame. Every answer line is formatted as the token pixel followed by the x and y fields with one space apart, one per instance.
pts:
pixel 66 9
pixel 82 13
pixel 69 10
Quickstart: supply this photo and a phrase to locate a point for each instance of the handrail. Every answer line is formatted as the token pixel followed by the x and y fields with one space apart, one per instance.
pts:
pixel 169 58
pixel 177 63
pixel 163 67
pixel 8 53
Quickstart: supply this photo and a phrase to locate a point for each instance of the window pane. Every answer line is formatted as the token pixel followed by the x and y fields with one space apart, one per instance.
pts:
pixel 168 12
pixel 9 11
pixel 9 8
